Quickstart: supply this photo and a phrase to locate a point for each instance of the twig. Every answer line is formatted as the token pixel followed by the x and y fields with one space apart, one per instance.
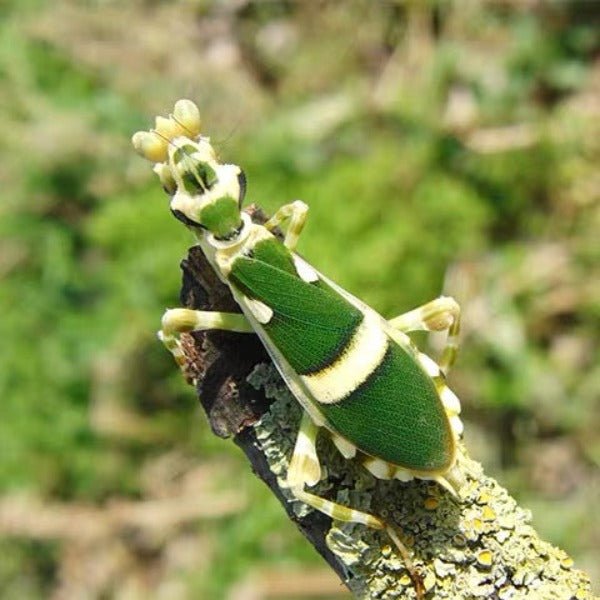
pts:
pixel 481 546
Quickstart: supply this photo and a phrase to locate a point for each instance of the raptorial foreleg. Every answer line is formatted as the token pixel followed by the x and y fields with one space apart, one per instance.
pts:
pixel 176 321
pixel 296 212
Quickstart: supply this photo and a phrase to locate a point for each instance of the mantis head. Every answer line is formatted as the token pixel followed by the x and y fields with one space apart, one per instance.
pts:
pixel 206 195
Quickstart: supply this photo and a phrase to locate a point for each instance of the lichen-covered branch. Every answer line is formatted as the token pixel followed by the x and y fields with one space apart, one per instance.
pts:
pixel 478 546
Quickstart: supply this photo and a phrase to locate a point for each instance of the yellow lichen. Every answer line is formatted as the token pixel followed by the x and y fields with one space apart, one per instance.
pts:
pixel 485 558
pixel 429 581
pixel 488 514
pixel 483 498
pixel 431 503
pixel 567 562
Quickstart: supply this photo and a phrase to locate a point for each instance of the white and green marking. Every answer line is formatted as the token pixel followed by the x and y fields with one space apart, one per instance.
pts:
pixel 355 374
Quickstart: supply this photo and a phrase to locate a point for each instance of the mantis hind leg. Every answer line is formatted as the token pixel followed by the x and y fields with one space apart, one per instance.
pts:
pixel 305 470
pixel 441 314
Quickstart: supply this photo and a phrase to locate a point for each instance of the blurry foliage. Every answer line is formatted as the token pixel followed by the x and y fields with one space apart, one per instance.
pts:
pixel 431 140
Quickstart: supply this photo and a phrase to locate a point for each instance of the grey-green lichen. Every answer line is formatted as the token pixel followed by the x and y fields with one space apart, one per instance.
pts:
pixel 480 545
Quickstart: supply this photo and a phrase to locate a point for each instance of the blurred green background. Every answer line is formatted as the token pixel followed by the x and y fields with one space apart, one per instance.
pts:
pixel 440 145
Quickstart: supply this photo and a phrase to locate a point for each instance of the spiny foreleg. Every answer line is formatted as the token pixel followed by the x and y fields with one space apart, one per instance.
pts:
pixel 176 321
pixel 296 212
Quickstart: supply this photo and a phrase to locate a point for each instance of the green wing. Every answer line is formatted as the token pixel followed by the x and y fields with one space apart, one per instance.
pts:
pixel 394 414
pixel 311 324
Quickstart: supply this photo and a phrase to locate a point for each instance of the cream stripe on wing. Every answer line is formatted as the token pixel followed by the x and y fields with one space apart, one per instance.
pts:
pixel 358 360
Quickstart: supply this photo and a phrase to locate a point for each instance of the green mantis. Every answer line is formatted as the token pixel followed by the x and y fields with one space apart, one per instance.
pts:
pixel 356 375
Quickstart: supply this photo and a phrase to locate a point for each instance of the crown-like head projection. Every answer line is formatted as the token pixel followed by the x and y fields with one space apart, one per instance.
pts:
pixel 205 194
